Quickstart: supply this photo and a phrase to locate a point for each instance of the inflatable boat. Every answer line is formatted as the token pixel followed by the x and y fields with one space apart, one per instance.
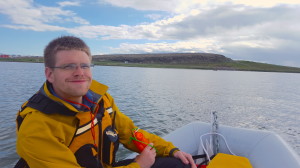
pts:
pixel 264 149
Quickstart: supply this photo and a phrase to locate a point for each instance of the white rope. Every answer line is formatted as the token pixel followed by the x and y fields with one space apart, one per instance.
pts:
pixel 208 157
pixel 137 129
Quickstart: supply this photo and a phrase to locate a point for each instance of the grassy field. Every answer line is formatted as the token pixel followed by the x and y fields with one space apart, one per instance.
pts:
pixel 231 66
pixel 23 59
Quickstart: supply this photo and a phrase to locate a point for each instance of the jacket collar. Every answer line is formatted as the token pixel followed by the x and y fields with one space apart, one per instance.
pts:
pixel 95 93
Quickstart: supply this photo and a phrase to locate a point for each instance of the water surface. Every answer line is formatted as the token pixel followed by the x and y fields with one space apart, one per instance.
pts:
pixel 161 100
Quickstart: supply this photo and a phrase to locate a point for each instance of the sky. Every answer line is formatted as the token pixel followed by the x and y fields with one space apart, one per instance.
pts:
pixel 265 31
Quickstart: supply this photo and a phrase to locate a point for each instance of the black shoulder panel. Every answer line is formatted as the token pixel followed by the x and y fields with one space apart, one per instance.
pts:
pixel 48 106
pixel 101 110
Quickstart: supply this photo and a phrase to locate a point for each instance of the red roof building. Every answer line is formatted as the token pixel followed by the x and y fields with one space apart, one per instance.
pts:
pixel 4 56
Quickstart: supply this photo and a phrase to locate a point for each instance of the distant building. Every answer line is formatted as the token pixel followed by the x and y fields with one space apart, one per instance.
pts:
pixel 4 56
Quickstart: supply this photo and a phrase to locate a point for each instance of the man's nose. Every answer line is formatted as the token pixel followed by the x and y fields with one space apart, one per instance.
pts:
pixel 78 71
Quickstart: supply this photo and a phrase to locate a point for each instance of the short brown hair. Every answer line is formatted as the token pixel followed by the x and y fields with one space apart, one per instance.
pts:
pixel 63 43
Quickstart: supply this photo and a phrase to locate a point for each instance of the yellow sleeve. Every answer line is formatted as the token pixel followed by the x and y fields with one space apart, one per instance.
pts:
pixel 41 141
pixel 125 125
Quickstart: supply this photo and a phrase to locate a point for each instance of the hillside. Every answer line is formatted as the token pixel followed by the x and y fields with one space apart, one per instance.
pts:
pixel 175 60
pixel 188 61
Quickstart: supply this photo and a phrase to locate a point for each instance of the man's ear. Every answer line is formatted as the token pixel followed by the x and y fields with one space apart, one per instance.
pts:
pixel 49 74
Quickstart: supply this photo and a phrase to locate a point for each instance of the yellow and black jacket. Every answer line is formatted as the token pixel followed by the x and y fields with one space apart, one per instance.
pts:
pixel 54 133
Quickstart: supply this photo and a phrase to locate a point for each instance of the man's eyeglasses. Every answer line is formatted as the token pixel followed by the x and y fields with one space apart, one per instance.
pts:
pixel 73 67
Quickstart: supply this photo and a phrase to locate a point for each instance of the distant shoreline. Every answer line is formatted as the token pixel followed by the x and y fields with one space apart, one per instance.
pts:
pixel 232 66
pixel 200 61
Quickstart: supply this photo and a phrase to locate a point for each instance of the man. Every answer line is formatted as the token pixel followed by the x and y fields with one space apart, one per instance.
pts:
pixel 73 122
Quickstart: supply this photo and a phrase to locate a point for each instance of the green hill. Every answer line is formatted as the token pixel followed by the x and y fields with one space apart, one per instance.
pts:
pixel 188 61
pixel 175 60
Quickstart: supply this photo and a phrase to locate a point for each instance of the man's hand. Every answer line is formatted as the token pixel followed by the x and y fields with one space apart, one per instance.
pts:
pixel 147 158
pixel 185 158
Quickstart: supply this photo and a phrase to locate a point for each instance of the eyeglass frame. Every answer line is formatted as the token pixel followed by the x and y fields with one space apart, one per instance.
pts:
pixel 72 67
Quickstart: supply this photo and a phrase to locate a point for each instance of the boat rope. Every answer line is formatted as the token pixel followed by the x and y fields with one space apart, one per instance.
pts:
pixel 206 152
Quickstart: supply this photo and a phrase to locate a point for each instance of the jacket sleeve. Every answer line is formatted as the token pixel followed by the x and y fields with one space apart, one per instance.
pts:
pixel 41 144
pixel 125 125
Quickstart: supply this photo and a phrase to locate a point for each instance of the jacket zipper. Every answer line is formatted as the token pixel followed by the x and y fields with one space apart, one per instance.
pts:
pixel 100 143
pixel 99 118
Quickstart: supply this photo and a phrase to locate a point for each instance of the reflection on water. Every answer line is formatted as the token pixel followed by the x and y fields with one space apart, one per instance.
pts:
pixel 161 100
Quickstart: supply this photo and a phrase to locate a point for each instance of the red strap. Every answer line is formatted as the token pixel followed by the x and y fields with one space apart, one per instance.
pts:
pixel 93 116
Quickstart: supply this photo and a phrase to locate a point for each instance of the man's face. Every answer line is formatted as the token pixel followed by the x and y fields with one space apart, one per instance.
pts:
pixel 72 83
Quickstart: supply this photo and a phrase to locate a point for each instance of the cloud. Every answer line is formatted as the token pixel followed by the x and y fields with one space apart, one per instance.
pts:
pixel 184 6
pixel 239 29
pixel 150 31
pixel 156 5
pixel 69 3
pixel 154 16
pixel 262 3
pixel 24 14
pixel 283 55
pixel 228 23
pixel 100 31
pixel 204 45
pixel 36 27
pixel 220 21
